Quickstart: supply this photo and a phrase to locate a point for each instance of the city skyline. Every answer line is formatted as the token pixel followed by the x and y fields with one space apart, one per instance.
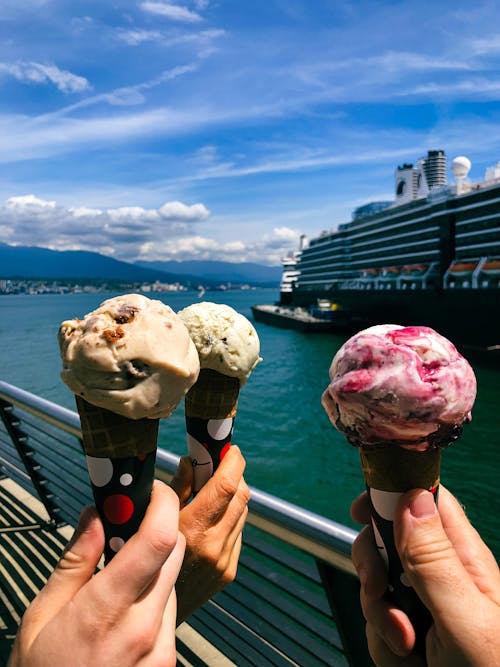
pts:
pixel 204 129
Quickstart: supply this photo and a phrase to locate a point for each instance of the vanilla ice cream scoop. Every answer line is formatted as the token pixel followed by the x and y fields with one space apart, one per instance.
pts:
pixel 407 386
pixel 226 341
pixel 132 356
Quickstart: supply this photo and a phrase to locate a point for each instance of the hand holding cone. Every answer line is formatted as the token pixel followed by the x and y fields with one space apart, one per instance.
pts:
pixel 400 394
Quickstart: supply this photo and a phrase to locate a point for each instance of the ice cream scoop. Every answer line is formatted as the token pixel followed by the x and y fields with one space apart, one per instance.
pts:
pixel 400 394
pixel 132 355
pixel 228 348
pixel 406 386
pixel 226 341
pixel 129 362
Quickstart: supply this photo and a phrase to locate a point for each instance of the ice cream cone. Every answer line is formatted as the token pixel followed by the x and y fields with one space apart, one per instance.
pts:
pixel 389 472
pixel 396 469
pixel 210 409
pixel 121 455
pixel 109 435
pixel 213 396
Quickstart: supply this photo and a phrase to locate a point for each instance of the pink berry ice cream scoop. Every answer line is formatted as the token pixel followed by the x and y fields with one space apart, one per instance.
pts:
pixel 400 394
pixel 406 386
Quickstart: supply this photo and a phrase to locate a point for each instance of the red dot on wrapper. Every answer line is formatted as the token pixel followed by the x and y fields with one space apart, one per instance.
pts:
pixel 224 450
pixel 118 508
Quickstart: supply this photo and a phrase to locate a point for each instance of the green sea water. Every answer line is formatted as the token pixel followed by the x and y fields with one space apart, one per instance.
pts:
pixel 292 450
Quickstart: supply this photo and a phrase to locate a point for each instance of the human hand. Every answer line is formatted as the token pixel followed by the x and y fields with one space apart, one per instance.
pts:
pixel 212 524
pixel 452 571
pixel 122 616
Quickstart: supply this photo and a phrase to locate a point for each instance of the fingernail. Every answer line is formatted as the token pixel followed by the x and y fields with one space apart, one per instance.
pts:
pixel 423 505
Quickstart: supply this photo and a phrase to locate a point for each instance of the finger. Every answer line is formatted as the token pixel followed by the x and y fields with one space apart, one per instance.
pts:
pixel 369 565
pixel 135 566
pixel 213 499
pixel 151 604
pixel 473 552
pixel 182 481
pixel 384 657
pixel 76 566
pixel 391 624
pixel 237 510
pixel 360 509
pixel 430 560
pixel 163 651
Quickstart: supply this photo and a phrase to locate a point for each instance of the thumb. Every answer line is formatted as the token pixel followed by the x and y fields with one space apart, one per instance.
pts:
pixel 429 559
pixel 76 566
pixel 182 481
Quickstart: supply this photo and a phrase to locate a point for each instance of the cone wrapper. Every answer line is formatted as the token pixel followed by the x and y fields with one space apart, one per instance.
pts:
pixel 210 409
pixel 389 472
pixel 121 455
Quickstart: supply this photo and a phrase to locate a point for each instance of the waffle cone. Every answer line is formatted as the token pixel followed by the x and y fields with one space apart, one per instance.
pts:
pixel 393 468
pixel 107 434
pixel 213 396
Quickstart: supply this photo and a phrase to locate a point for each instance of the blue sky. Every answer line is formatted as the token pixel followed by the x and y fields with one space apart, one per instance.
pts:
pixel 218 129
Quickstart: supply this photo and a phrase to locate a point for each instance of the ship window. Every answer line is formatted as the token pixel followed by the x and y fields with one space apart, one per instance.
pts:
pixel 400 190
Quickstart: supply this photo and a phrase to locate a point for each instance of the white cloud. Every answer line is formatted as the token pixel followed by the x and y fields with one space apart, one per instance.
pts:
pixel 32 72
pixel 173 12
pixel 138 36
pixel 29 220
pixel 268 250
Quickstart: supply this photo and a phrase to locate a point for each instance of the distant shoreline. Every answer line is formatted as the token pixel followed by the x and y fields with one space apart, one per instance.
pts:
pixel 29 287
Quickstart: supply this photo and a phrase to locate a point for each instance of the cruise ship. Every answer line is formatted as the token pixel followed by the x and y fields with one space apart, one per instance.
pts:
pixel 430 257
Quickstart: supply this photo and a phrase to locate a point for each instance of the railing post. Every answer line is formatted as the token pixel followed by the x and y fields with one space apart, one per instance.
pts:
pixel 19 438
pixel 342 591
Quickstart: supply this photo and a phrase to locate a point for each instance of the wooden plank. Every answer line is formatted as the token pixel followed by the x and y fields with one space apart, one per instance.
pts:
pixel 286 555
pixel 315 599
pixel 237 642
pixel 318 623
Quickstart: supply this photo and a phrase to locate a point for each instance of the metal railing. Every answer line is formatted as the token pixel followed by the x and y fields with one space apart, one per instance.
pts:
pixel 300 561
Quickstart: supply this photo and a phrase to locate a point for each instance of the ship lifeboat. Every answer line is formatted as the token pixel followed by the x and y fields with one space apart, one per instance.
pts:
pixel 391 272
pixel 463 268
pixel 369 273
pixel 491 268
pixel 414 269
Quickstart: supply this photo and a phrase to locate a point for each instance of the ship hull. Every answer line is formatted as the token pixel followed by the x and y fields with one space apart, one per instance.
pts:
pixel 471 318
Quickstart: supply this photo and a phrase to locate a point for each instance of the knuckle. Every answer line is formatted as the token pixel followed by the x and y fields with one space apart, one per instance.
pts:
pixel 427 552
pixel 243 493
pixel 163 539
pixel 227 486
pixel 144 635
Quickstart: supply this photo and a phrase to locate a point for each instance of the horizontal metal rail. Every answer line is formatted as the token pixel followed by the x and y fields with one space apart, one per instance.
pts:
pixel 322 538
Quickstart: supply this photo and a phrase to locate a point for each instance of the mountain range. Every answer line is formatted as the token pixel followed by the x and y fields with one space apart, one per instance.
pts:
pixel 242 272
pixel 43 263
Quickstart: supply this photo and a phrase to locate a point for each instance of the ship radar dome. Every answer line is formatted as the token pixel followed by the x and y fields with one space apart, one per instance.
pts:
pixel 460 167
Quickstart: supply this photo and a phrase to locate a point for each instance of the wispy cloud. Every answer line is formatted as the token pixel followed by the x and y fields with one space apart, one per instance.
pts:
pixel 40 73
pixel 172 12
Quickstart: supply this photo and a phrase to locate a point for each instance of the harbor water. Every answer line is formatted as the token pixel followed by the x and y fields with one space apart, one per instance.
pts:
pixel 292 450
